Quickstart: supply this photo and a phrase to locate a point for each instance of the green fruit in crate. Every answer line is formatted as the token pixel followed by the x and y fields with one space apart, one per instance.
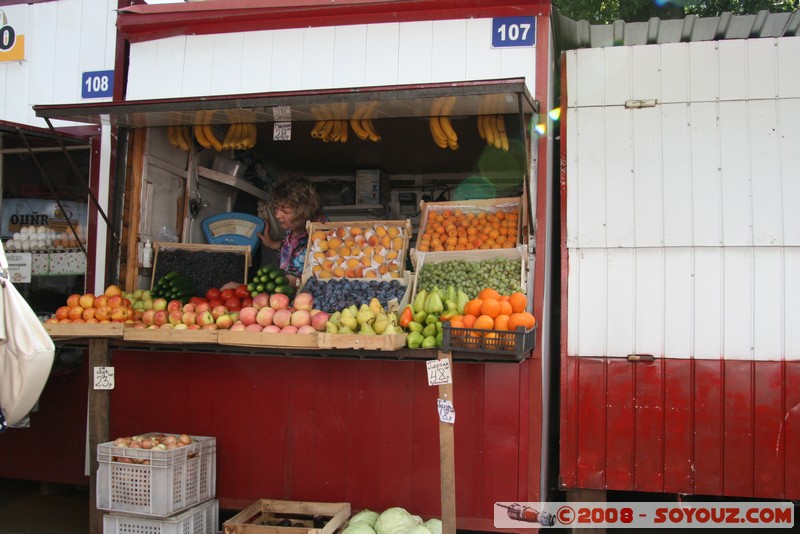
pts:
pixel 414 340
pixel 429 342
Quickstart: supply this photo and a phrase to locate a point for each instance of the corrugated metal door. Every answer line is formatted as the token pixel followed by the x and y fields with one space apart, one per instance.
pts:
pixel 683 242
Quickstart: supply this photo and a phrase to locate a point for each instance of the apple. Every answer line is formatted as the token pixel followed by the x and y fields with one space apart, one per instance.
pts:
pixel 224 322
pixel 181 326
pixel 202 306
pixel 215 302
pixel 146 295
pixel 159 303
pixel 188 317
pixel 161 317
pixel 115 301
pixel 281 318
pixel 153 327
pixel 174 304
pixel 255 327
pixel 86 300
pixel 175 317
pixel 119 314
pixel 264 316
pixel 238 327
pixel 234 315
pixel 271 329
pixel 194 327
pixel 217 311
pixel 126 303
pixel 74 300
pixel 167 325
pixel 148 303
pixel 140 325
pixel 261 300
pixel 233 304
pixel 319 320
pixel 148 317
pixel 307 329
pixel 88 313
pixel 212 293
pixel 62 313
pixel 247 301
pixel 102 314
pixel 100 300
pixel 289 329
pixel 113 290
pixel 278 301
pixel 241 291
pixel 188 307
pixel 227 293
pixel 211 326
pixel 196 300
pixel 205 318
pixel 303 301
pixel 300 318
pixel 137 293
pixel 248 315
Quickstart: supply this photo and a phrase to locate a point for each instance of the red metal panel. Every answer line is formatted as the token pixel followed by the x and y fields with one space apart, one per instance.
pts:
pixel 591 437
pixel 568 445
pixel 426 490
pixel 469 432
pixel 678 426
pixel 791 430
pixel 708 406
pixel 649 431
pixel 738 428
pixel 620 422
pixel 769 442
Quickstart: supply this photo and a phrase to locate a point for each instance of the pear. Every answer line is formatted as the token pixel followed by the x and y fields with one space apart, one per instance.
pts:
pixel 375 306
pixel 348 320
pixel 364 315
pixel 335 317
pixel 353 309
pixel 366 330
pixel 390 330
pixel 380 324
pixel 331 328
pixel 346 330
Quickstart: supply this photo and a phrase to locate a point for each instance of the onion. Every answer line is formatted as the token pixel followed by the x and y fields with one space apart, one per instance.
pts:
pixel 186 439
pixel 170 439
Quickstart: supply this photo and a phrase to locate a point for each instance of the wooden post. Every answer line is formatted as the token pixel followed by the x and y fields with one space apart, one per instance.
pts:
pixel 98 426
pixel 447 458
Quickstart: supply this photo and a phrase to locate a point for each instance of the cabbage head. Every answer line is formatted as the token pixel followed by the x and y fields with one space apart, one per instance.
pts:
pixel 365 516
pixel 396 521
pixel 359 527
pixel 420 529
pixel 434 525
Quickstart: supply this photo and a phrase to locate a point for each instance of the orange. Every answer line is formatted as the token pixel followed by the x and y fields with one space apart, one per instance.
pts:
pixel 473 307
pixel 488 292
pixel 456 323
pixel 490 307
pixel 518 301
pixel 505 307
pixel 484 322
pixel 469 320
pixel 501 322
pixel 523 319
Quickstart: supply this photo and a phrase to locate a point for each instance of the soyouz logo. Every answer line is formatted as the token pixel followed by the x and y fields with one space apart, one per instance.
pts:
pixel 12 44
pixel 639 515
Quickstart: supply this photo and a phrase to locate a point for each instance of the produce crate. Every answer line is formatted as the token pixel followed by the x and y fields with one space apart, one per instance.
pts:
pixel 350 250
pixel 355 341
pixel 207 265
pixel 480 206
pixel 266 339
pixel 267 516
pixel 165 483
pixel 71 330
pixel 169 335
pixel 518 344
pixel 407 281
pixel 200 519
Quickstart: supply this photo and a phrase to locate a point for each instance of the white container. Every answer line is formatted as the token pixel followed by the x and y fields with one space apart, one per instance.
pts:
pixel 169 481
pixel 201 519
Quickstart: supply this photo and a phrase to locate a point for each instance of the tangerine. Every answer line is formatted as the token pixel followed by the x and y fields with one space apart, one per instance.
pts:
pixel 523 319
pixel 501 322
pixel 469 320
pixel 505 307
pixel 473 307
pixel 484 322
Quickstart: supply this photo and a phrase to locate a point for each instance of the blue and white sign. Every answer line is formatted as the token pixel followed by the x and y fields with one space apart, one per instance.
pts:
pixel 97 84
pixel 513 31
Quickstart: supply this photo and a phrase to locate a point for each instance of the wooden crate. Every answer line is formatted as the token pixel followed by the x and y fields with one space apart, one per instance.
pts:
pixel 169 335
pixel 467 206
pixel 261 339
pixel 311 260
pixel 193 260
pixel 355 341
pixel 74 330
pixel 262 517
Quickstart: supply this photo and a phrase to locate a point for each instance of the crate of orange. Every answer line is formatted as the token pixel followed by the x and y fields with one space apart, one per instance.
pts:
pixel 466 225
pixel 492 324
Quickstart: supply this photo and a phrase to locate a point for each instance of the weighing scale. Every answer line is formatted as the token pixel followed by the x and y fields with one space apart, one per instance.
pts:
pixel 233 228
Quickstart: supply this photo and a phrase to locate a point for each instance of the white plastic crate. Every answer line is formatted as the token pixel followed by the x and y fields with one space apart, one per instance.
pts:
pixel 201 519
pixel 164 483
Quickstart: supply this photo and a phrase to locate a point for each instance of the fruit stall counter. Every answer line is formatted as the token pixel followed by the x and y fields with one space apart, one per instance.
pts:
pixel 322 425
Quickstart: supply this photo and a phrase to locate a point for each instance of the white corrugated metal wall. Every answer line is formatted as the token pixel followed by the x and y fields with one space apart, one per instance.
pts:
pixel 63 39
pixel 324 58
pixel 682 224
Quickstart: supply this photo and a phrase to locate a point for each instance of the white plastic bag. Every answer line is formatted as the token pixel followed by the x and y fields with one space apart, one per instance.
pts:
pixel 26 354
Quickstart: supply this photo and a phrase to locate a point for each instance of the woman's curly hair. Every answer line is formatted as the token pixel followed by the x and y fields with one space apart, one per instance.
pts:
pixel 297 193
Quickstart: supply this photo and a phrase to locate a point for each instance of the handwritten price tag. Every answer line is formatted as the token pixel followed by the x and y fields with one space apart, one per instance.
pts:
pixel 447 414
pixel 103 378
pixel 282 131
pixel 439 372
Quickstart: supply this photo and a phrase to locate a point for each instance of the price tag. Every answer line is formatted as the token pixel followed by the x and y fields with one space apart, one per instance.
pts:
pixel 439 372
pixel 103 378
pixel 513 31
pixel 97 84
pixel 282 131
pixel 282 113
pixel 19 267
pixel 447 414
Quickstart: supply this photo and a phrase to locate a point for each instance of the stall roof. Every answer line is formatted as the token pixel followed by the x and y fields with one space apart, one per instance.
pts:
pixel 507 97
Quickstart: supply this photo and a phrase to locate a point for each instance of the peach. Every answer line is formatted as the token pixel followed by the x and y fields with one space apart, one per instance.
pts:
pixel 318 235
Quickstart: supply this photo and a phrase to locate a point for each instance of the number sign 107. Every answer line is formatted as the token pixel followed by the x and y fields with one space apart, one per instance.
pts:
pixel 513 31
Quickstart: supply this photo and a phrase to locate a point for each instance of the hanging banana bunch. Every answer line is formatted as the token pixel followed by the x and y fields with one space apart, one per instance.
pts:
pixel 180 137
pixel 241 133
pixel 328 128
pixel 440 125
pixel 361 122
pixel 491 125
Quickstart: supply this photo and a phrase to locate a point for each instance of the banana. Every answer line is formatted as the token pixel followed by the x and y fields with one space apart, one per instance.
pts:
pixel 317 129
pixel 488 129
pixel 370 128
pixel 200 136
pixel 336 131
pixel 438 135
pixel 171 136
pixel 355 122
pixel 447 127
pixel 181 138
pixel 252 135
pixel 481 132
pixel 227 142
pixel 498 140
pixel 343 137
pixel 325 133
pixel 501 127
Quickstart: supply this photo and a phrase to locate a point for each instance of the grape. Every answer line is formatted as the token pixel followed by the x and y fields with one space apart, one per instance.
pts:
pixel 501 274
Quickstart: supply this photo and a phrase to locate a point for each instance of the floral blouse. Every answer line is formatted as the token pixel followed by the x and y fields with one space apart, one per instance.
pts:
pixel 293 250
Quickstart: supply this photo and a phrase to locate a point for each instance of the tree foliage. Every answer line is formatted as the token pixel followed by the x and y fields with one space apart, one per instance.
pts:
pixel 606 11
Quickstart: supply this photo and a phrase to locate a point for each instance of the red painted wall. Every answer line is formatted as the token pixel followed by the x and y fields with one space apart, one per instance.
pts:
pixel 313 429
pixel 706 427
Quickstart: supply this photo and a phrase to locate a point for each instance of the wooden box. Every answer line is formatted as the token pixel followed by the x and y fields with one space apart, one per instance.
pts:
pixel 265 339
pixel 355 341
pixel 169 335
pixel 75 330
pixel 268 516
pixel 207 265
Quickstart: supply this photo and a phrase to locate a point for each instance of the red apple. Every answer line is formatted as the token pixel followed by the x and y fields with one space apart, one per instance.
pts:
pixel 241 291
pixel 115 301
pixel 303 301
pixel 306 329
pixel 247 301
pixel 188 317
pixel 161 317
pixel 174 305
pixel 205 318
pixel 271 329
pixel 74 300
pixel 289 329
pixel 227 293
pixel 194 326
pixel 233 304
pixel 278 301
pixel 196 300
pixel 300 318
pixel 224 322
pixel 255 327
pixel 86 300
pixel 215 302
pixel 264 316
pixel 248 315
pixel 238 327
pixel 159 304
pixel 281 318
pixel 217 311
pixel 188 307
pixel 88 313
pixel 100 300
pixel 319 320
pixel 62 313
pixel 148 317
pixel 212 293
pixel 103 313
pixel 202 306
pixel 260 300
